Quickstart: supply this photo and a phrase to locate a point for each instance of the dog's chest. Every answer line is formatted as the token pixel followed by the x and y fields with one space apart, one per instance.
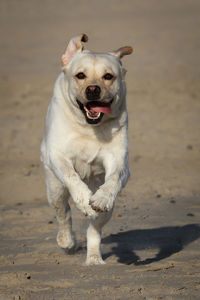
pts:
pixel 87 159
pixel 87 169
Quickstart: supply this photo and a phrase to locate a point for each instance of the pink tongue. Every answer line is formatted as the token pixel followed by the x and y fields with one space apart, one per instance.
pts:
pixel 103 109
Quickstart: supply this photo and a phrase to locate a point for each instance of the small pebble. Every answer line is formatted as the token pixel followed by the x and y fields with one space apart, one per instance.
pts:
pixel 28 276
pixel 172 201
pixel 117 216
pixel 190 215
pixel 158 195
pixel 189 147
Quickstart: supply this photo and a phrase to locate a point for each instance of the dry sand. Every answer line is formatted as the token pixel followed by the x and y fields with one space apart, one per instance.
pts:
pixel 151 245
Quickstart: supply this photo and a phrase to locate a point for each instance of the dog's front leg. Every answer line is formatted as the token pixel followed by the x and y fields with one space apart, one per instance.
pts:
pixel 78 190
pixel 115 179
pixel 102 201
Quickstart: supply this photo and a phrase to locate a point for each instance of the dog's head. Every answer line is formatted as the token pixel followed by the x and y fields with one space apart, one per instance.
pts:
pixel 95 80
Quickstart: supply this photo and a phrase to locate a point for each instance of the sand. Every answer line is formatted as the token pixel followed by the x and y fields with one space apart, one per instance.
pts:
pixel 151 245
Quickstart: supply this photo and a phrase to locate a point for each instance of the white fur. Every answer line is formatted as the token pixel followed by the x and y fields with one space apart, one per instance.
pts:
pixel 87 162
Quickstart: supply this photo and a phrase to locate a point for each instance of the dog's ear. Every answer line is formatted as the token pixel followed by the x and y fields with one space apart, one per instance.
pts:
pixel 126 50
pixel 75 45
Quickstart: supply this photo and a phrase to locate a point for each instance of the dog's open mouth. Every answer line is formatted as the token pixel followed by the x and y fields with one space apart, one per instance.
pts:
pixel 94 110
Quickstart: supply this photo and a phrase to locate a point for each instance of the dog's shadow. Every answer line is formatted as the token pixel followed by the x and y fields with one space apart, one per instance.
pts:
pixel 168 240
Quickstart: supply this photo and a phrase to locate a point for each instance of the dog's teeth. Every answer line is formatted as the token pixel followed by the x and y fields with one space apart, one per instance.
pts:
pixel 87 110
pixel 90 117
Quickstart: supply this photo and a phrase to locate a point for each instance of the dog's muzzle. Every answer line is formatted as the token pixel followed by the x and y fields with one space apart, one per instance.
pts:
pixel 95 108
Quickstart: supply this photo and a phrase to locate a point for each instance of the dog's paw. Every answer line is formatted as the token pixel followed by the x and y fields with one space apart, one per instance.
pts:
pixel 90 212
pixel 94 260
pixel 100 202
pixel 65 240
pixel 87 210
pixel 82 203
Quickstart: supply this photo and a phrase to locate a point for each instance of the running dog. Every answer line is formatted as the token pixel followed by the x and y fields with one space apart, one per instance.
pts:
pixel 85 144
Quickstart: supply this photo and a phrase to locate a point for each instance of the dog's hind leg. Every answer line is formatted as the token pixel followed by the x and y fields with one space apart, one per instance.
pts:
pixel 94 239
pixel 58 197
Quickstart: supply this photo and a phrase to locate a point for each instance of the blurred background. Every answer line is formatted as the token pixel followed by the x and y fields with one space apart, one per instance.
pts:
pixel 165 34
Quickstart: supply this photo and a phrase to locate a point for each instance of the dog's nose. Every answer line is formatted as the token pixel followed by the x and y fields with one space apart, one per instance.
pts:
pixel 93 92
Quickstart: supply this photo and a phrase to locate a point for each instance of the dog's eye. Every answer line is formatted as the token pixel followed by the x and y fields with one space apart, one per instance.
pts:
pixel 81 75
pixel 108 76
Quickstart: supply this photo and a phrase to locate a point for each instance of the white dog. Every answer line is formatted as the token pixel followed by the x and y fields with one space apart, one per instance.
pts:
pixel 85 145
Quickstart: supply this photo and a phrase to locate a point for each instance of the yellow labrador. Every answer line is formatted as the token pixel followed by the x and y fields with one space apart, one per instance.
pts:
pixel 85 145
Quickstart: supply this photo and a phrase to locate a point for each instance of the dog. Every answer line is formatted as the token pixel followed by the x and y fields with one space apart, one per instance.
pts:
pixel 85 145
